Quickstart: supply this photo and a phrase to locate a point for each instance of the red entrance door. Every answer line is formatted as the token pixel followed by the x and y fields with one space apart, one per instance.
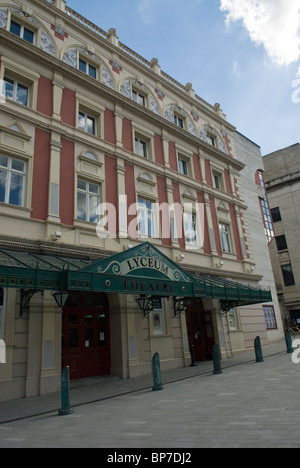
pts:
pixel 200 330
pixel 85 336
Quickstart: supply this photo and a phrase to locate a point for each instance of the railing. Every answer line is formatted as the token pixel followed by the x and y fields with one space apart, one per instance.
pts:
pixel 86 23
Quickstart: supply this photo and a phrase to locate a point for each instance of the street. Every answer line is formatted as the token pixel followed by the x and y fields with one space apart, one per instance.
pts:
pixel 251 405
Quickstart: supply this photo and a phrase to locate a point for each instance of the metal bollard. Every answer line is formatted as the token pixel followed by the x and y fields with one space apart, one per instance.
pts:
pixel 258 350
pixel 216 359
pixel 289 344
pixel 65 393
pixel 156 373
pixel 193 364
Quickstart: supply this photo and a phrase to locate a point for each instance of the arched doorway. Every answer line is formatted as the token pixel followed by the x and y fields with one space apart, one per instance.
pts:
pixel 200 330
pixel 86 335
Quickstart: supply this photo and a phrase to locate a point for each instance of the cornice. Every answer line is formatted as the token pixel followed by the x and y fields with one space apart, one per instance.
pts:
pixel 126 57
pixel 75 75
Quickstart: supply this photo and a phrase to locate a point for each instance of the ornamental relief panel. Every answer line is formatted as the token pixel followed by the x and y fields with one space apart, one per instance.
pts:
pixel 126 90
pixel 46 41
pixel 70 57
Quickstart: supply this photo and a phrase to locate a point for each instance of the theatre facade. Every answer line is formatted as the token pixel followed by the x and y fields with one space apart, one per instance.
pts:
pixel 124 224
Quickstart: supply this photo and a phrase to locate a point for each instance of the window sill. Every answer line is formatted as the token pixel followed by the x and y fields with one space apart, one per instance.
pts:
pixel 8 209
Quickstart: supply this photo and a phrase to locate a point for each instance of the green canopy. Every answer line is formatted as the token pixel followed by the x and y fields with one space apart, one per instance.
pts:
pixel 140 270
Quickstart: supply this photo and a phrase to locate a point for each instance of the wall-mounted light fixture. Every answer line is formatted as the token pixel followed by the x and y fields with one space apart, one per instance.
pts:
pixel 180 304
pixel 61 297
pixel 145 303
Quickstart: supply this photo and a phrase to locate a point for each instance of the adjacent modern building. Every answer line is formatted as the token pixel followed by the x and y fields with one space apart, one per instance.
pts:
pixel 282 180
pixel 131 220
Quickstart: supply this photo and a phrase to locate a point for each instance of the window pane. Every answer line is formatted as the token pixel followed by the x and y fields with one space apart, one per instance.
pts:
pixel 93 204
pixel 93 188
pixel 276 216
pixel 3 177
pixel 1 296
pixel 141 147
pixel 28 35
pixel 16 189
pixel 8 90
pixel 90 125
pixel 17 165
pixel 281 243
pixel 82 65
pixel 22 94
pixel 92 71
pixel 81 121
pixel 81 206
pixel 182 167
pixel 190 229
pixel 3 160
pixel 15 28
pixel 288 276
pixel 81 184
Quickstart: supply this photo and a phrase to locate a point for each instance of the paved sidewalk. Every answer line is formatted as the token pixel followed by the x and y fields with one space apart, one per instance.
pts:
pixel 104 388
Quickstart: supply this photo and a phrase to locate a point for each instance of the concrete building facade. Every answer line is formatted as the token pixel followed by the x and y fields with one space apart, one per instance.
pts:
pixel 282 180
pixel 121 195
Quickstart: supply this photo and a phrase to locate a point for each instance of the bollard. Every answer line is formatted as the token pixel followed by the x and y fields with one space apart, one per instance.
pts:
pixel 258 350
pixel 193 364
pixel 156 373
pixel 288 340
pixel 65 393
pixel 216 359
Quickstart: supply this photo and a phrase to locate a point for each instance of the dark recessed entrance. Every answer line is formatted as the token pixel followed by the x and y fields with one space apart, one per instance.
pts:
pixel 200 330
pixel 85 335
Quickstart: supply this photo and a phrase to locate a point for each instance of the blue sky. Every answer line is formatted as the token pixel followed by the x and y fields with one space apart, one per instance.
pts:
pixel 243 54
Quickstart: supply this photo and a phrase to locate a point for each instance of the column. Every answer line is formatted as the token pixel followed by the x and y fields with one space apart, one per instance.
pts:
pixel 54 178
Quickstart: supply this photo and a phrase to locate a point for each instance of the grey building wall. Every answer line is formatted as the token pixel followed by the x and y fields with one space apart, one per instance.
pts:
pixel 282 179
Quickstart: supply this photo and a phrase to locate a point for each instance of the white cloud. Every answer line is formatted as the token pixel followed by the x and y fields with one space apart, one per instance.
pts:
pixel 272 23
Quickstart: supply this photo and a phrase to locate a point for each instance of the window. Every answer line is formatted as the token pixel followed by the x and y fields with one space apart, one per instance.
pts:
pixel 141 147
pixel 22 31
pixel 16 91
pixel 276 216
pixel 12 180
pixel 270 318
pixel 178 121
pixel 87 68
pixel 216 181
pixel 281 243
pixel 88 199
pixel 143 141
pixel 146 218
pixel 139 98
pixel 225 238
pixel 183 166
pixel 190 228
pixel 288 275
pixel 86 123
pixel 158 316
pixel 211 140
pixel 268 225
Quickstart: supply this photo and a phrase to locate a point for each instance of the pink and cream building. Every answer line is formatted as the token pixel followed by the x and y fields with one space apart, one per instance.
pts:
pixel 86 125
